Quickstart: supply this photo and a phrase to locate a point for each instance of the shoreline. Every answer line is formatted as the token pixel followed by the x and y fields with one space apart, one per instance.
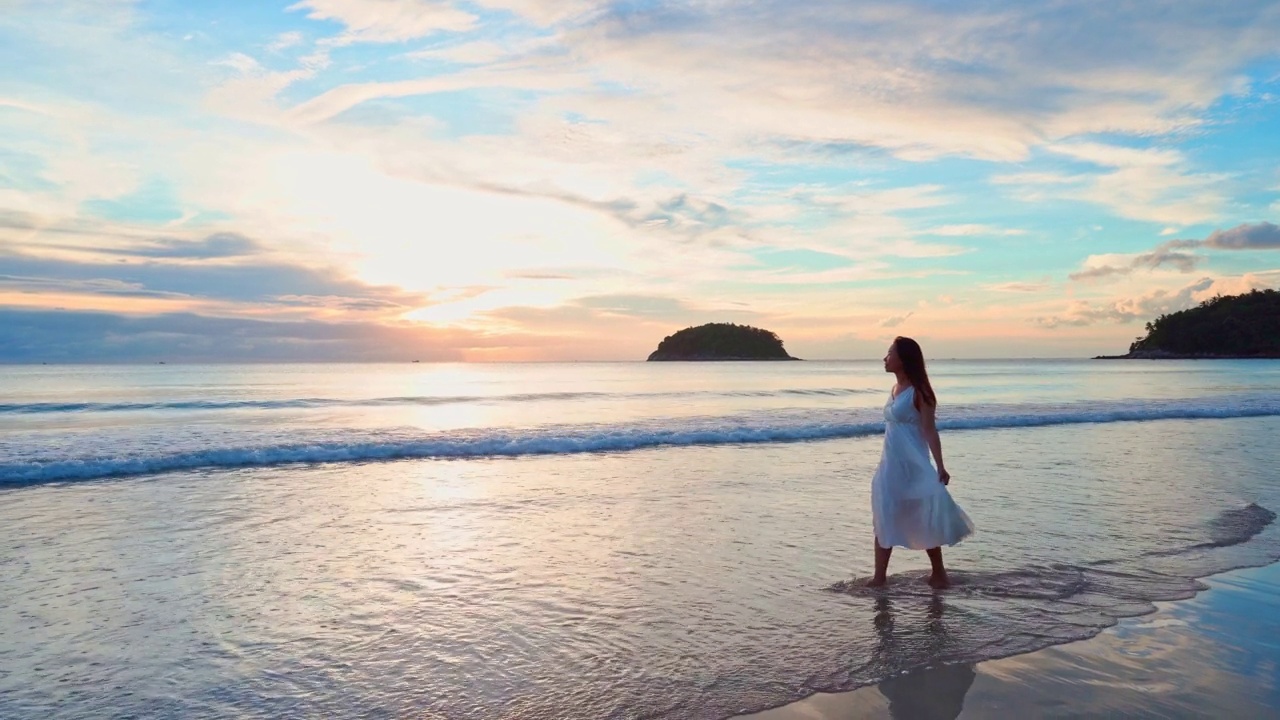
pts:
pixel 1182 356
pixel 1211 655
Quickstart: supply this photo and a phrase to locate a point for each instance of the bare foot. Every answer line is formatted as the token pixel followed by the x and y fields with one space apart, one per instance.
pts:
pixel 876 582
pixel 939 582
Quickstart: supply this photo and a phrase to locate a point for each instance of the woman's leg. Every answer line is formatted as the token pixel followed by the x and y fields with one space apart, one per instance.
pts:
pixel 882 565
pixel 939 577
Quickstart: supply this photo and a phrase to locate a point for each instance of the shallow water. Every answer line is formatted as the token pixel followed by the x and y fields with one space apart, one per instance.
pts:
pixel 1211 657
pixel 595 540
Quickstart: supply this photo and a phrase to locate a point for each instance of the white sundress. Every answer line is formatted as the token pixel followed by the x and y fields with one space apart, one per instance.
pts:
pixel 910 507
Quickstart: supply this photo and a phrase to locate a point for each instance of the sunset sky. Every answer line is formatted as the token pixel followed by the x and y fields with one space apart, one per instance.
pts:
pixel 574 179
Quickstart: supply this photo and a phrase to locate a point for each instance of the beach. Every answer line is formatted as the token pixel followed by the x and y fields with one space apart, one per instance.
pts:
pixel 625 540
pixel 1217 655
pixel 577 360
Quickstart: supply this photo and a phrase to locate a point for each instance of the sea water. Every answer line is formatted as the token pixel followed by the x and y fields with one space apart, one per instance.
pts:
pixel 585 540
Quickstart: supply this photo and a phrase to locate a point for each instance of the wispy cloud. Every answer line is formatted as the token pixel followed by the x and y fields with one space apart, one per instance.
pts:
pixel 384 21
pixel 895 321
pixel 973 230
pixel 218 245
pixel 1017 287
pixel 1158 258
pixel 285 40
pixel 1147 184
pixel 164 270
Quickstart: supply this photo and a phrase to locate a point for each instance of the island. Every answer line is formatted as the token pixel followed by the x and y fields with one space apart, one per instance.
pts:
pixel 1222 327
pixel 720 341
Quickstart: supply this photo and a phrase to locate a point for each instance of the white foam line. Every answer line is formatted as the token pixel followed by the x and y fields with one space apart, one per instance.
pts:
pixel 562 440
pixel 52 408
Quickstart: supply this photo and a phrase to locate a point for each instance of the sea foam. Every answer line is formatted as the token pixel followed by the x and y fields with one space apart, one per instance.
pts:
pixel 36 464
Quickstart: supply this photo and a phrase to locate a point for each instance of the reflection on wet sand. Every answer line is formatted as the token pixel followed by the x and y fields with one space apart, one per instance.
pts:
pixel 905 637
pixel 934 693
pixel 1213 656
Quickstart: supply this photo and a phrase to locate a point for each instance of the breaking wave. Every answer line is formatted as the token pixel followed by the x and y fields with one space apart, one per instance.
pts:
pixel 297 445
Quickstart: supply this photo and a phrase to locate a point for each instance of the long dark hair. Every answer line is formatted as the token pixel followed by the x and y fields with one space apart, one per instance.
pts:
pixel 912 358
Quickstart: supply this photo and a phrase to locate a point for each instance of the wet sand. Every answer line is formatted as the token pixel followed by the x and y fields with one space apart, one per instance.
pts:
pixel 1216 655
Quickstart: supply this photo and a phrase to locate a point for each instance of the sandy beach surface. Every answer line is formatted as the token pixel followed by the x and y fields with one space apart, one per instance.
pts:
pixel 1214 656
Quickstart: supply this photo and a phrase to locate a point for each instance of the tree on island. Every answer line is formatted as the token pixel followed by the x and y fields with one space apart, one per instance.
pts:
pixel 721 341
pixel 1223 326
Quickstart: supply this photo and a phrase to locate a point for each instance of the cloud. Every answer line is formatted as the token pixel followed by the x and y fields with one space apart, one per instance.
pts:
pixel 485 52
pixel 467 53
pixel 218 245
pixel 342 98
pixel 1017 287
pixel 648 100
pixel 79 336
pixel 239 62
pixel 285 40
pixel 339 302
pixel 1165 255
pixel 88 287
pixel 546 12
pixel 969 230
pixel 921 80
pixel 617 325
pixel 924 79
pixel 1148 306
pixel 1149 184
pixel 251 93
pixel 601 308
pixel 240 282
pixel 1117 155
pixel 386 21
pixel 640 306
pixel 537 275
pixel 1259 236
pixel 895 320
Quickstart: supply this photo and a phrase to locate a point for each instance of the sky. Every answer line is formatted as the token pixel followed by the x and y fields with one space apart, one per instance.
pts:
pixel 543 180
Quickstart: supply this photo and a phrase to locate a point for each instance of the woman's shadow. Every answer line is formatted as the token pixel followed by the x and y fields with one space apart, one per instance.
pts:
pixel 935 693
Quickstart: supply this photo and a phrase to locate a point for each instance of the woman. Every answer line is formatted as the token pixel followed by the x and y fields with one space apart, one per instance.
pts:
pixel 910 504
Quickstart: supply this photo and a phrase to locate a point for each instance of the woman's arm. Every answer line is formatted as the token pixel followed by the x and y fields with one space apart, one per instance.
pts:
pixel 929 426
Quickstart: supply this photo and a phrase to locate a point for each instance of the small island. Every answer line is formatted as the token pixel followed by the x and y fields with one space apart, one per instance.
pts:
pixel 1223 327
pixel 720 341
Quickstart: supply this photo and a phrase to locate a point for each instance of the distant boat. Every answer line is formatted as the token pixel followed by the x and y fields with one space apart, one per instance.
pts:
pixel 416 361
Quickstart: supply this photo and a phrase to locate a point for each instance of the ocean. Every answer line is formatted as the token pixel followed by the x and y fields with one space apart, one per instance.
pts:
pixel 586 540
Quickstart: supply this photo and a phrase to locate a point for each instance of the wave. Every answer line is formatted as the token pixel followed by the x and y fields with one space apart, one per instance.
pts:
pixel 1229 528
pixel 1124 579
pixel 447 445
pixel 300 445
pixel 1235 526
pixel 38 408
